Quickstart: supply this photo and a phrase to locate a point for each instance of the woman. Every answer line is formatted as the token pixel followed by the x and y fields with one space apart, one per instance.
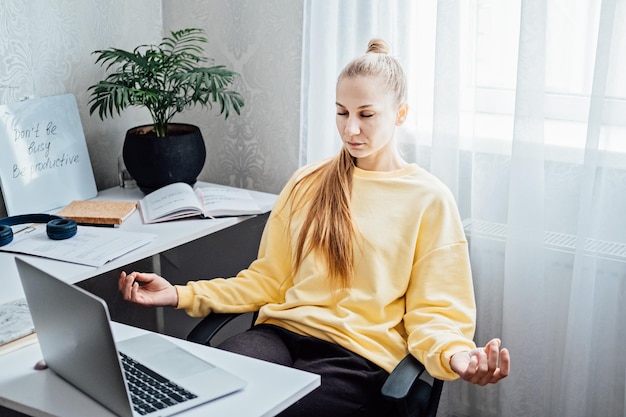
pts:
pixel 363 260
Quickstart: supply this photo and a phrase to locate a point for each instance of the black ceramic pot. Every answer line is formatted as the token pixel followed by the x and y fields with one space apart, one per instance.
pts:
pixel 158 161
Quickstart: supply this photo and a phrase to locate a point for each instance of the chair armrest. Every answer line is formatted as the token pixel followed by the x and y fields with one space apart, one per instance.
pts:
pixel 402 379
pixel 413 395
pixel 204 331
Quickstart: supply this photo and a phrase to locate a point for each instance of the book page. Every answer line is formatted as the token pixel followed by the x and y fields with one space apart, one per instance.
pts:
pixel 169 202
pixel 227 201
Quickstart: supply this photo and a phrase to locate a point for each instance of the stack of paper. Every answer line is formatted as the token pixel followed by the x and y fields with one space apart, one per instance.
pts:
pixel 15 321
pixel 92 246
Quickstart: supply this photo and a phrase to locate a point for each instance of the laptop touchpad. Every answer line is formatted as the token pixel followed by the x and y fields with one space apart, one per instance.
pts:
pixel 163 356
pixel 177 363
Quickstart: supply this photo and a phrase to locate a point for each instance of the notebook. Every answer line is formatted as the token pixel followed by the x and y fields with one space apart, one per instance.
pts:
pixel 74 331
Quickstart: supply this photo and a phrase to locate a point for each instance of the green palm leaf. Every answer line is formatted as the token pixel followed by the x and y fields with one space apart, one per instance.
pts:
pixel 164 78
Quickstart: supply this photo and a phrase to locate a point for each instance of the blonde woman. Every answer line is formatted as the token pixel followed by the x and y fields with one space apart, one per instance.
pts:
pixel 362 261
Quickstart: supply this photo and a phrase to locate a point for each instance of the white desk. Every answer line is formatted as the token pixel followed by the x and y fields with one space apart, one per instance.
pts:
pixel 271 388
pixel 169 235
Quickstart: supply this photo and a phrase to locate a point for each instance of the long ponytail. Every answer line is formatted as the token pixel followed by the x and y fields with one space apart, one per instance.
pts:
pixel 328 228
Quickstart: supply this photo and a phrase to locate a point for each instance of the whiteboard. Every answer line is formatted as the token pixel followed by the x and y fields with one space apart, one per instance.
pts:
pixel 44 162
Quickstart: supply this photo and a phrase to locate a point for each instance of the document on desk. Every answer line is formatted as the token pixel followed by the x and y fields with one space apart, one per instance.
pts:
pixel 91 246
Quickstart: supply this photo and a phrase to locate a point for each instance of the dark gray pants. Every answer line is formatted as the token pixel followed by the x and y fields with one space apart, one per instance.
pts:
pixel 350 383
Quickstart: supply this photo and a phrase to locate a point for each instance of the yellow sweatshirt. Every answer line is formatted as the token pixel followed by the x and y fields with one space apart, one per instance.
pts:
pixel 411 291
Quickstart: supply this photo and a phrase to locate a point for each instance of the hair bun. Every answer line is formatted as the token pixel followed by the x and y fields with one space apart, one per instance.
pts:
pixel 378 46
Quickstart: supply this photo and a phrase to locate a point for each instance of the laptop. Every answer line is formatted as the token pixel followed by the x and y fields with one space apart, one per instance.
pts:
pixel 75 337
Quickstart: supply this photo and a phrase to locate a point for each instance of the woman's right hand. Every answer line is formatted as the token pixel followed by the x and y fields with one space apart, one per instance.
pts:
pixel 147 289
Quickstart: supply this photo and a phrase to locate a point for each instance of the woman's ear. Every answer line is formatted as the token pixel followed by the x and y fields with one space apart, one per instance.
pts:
pixel 403 110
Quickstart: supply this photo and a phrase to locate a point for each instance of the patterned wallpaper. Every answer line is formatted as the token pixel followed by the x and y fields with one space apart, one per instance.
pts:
pixel 46 49
pixel 261 40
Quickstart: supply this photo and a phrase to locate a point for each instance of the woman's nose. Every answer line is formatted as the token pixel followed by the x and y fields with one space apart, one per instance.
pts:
pixel 352 127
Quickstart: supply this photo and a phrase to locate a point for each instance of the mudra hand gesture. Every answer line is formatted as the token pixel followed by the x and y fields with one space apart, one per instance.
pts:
pixel 483 365
pixel 149 290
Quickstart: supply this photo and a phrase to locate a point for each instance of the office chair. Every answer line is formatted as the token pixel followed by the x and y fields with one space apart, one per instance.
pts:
pixel 412 390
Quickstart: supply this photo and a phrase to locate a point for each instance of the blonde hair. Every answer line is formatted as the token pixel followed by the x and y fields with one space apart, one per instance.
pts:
pixel 328 228
pixel 377 62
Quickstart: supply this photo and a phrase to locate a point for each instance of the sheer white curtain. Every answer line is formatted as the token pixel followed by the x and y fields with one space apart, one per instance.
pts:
pixel 520 107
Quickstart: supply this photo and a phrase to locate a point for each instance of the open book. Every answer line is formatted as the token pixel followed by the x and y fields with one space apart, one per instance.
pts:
pixel 180 200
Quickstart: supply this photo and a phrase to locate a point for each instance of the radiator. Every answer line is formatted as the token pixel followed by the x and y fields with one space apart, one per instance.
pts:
pixel 552 240
pixel 604 305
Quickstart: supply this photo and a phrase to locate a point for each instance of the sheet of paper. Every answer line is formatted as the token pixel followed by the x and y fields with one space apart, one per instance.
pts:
pixel 92 246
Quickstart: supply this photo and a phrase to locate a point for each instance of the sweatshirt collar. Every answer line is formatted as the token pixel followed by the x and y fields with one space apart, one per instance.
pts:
pixel 409 169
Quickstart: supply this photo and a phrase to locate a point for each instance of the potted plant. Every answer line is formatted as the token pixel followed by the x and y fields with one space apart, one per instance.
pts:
pixel 165 79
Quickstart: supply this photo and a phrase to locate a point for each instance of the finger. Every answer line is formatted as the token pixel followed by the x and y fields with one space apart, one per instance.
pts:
pixel 483 361
pixel 505 363
pixel 504 369
pixel 481 368
pixel 120 281
pixel 493 346
pixel 492 352
pixel 134 289
pixel 128 286
pixel 137 277
pixel 488 362
pixel 144 278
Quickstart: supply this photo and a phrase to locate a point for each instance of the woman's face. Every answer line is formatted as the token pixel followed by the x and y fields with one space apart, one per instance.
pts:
pixel 367 116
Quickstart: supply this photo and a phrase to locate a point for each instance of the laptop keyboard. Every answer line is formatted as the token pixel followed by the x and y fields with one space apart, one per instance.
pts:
pixel 150 391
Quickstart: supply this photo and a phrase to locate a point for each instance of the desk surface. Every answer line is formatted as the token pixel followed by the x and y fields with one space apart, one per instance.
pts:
pixel 271 388
pixel 169 235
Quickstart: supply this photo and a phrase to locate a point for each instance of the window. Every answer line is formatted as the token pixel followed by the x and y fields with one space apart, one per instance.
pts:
pixel 489 74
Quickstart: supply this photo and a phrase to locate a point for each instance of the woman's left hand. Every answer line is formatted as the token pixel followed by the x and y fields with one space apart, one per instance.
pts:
pixel 483 365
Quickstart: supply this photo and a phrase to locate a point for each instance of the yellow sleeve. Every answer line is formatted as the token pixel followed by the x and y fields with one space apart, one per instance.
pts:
pixel 264 281
pixel 441 309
